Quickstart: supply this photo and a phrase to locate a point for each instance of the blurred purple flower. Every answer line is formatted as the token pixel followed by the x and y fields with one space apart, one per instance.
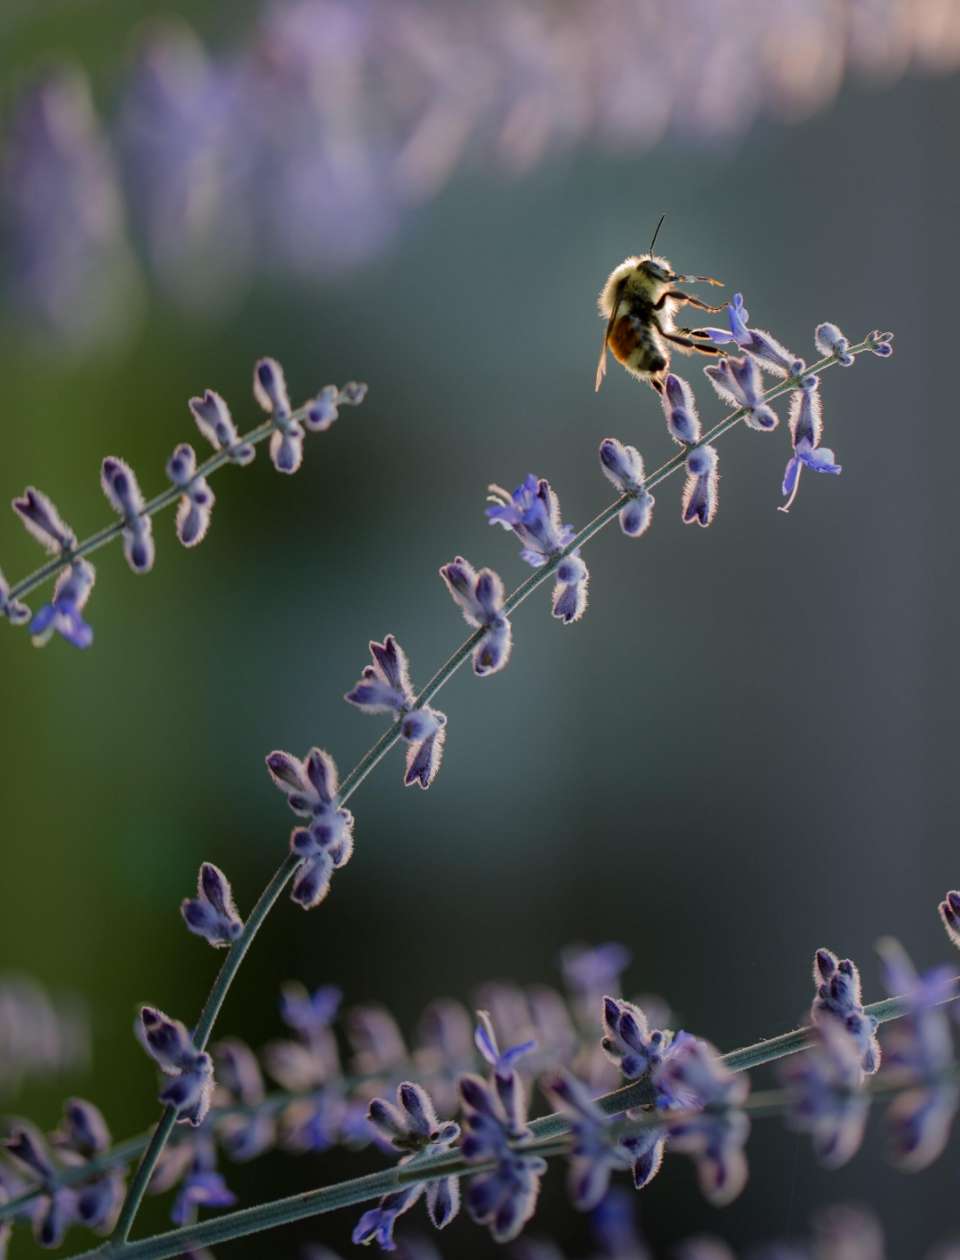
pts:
pixel 826 1096
pixel 122 490
pixel 63 614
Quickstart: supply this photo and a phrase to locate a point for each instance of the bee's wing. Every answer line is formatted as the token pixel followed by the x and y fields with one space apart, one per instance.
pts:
pixel 602 364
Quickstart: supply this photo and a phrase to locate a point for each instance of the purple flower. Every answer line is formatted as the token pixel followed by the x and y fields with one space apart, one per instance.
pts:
pixel 831 342
pixel 56 1208
pixel 623 466
pixel 270 391
pixel 309 1014
pixel 63 613
pixel 629 1042
pixel 385 687
pixel 695 1076
pixel 533 513
pixel 918 1053
pixel 321 413
pixel 839 998
pixel 502 1061
pixel 212 913
pixel 123 494
pixel 758 343
pixel 737 381
pixel 43 521
pixel 172 1048
pixel 17 613
pixel 203 1185
pixel 378 1044
pixel 595 1153
pixel 506 1197
pixel 699 501
pixel 950 916
pixel 411 1126
pixel 570 592
pixel 680 409
pixel 881 343
pixel 216 424
pixel 83 1135
pixel 613 1225
pixel 311 787
pixel 825 1090
pixel 480 598
pixel 252 1129
pixel 806 427
pixel 591 971
pixel 196 502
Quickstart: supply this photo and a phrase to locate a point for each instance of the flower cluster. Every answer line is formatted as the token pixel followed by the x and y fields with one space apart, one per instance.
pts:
pixel 385 687
pixel 623 466
pixel 532 512
pixel 480 599
pixel 839 998
pixel 63 613
pixel 311 787
pixel 212 913
pixel 171 1046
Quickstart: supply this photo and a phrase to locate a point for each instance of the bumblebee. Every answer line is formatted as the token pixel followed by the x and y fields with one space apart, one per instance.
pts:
pixel 639 302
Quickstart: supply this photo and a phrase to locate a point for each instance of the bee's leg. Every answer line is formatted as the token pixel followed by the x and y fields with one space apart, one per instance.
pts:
pixel 685 298
pixel 656 382
pixel 705 347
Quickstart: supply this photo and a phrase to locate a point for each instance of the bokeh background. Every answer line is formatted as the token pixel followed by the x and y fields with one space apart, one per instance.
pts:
pixel 745 750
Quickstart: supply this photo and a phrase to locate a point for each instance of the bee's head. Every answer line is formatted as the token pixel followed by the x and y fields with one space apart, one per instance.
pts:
pixel 655 268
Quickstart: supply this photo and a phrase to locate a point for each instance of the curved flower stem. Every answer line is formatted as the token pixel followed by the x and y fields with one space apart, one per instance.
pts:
pixel 389 738
pixel 551 1137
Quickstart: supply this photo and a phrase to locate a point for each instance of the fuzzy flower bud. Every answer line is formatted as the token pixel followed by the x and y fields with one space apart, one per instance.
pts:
pixel 41 519
pixel 216 424
pixel 479 596
pixel 767 351
pixel 699 501
pixel 196 502
pixel 570 591
pixel 171 1046
pixel 881 343
pixel 212 913
pixel 623 466
pixel 123 494
pixel 680 409
pixel 738 382
pixel 831 341
pixel 950 916
pixel 839 998
pixel 270 391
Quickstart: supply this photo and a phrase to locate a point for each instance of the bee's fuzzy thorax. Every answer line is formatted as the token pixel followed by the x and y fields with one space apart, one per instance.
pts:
pixel 634 281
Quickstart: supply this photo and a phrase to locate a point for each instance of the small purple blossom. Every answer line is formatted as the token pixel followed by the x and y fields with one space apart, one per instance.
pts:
pixel 839 997
pixel 806 427
pixel 629 1042
pixel 202 1186
pixel 16 612
pixel 252 1129
pixel 533 513
pixel 123 493
pixel 570 591
pixel 385 687
pixel 950 916
pixel 591 971
pixel 479 596
pixel 680 409
pixel 768 352
pixel 309 1014
pixel 505 1198
pixel 881 343
pixel 830 341
pixel 311 788
pixel 825 1090
pixel 321 413
pixel 172 1048
pixel 411 1125
pixel 699 500
pixel 918 1052
pixel 212 914
pixel 595 1153
pixel 83 1135
pixel 196 503
pixel 41 519
pixel 56 1208
pixel 270 391
pixel 63 613
pixel 694 1074
pixel 216 424
pixel 623 466
pixel 378 1044
pixel 738 382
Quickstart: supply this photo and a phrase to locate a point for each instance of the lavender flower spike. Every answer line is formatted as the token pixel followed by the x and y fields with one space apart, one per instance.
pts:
pixel 738 382
pixel 212 913
pixel 623 466
pixel 411 1126
pixel 480 598
pixel 216 424
pixel 63 613
pixel 680 409
pixel 699 501
pixel 385 687
pixel 806 427
pixel 768 352
pixel 270 391
pixel 123 494
pixel 171 1046
pixel 839 998
pixel 16 612
pixel 197 500
pixel 43 521
pixel 311 788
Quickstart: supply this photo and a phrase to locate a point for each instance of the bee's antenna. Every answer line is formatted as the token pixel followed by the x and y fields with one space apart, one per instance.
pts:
pixel 657 232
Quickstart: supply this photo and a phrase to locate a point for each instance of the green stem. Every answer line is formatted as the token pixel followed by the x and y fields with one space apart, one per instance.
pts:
pixel 383 745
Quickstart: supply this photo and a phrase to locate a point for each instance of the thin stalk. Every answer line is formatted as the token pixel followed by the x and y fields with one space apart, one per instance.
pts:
pixel 389 738
pixel 761 1104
